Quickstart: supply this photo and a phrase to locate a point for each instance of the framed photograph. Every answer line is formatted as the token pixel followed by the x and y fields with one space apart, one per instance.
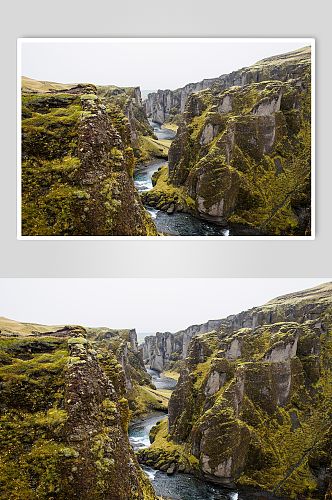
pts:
pixel 177 138
pixel 227 397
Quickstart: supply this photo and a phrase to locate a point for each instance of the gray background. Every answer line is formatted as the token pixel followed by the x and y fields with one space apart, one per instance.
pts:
pixel 38 18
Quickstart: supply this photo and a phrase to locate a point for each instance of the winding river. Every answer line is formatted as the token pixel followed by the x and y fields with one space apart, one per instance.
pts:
pixel 177 224
pixel 177 486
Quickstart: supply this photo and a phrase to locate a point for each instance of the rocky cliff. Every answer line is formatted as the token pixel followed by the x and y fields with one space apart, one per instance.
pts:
pixel 242 154
pixel 164 105
pixel 129 101
pixel 64 414
pixel 79 149
pixel 253 404
pixel 162 350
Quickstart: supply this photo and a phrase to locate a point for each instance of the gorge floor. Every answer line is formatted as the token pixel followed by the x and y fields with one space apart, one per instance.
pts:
pixel 176 486
pixel 180 223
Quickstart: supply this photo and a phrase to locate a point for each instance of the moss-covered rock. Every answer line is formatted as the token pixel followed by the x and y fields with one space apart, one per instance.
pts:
pixel 127 370
pixel 64 419
pixel 168 105
pixel 167 197
pixel 243 152
pixel 165 455
pixel 78 159
pixel 253 403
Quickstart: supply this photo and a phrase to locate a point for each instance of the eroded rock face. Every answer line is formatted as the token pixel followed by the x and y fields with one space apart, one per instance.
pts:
pixel 253 401
pixel 163 105
pixel 78 159
pixel 268 106
pixel 129 100
pixel 159 350
pixel 243 144
pixel 68 418
pixel 214 382
pixel 162 350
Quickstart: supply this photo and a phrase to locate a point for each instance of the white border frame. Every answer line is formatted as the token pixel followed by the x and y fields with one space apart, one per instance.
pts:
pixel 305 41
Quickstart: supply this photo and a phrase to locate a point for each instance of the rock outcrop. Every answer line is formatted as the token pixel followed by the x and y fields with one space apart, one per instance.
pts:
pixel 129 100
pixel 162 350
pixel 242 153
pixel 164 105
pixel 253 404
pixel 64 415
pixel 78 158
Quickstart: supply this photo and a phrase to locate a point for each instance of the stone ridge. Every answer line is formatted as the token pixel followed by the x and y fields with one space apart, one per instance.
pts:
pixel 164 105
pixel 162 350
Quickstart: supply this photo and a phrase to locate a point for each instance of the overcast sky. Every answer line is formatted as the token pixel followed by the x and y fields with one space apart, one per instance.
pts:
pixel 149 305
pixel 150 65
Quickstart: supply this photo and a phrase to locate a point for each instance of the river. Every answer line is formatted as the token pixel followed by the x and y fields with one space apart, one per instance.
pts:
pixel 179 223
pixel 178 486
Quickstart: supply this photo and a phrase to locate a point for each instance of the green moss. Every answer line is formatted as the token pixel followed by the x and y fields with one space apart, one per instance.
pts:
pixel 32 417
pixel 163 451
pixel 89 97
pixel 151 148
pixel 254 170
pixel 78 340
pixel 164 194
pixel 144 400
pixel 77 167
pixel 52 132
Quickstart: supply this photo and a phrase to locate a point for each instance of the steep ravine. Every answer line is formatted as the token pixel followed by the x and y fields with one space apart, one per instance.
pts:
pixel 167 222
pixel 249 417
pixel 169 486
pixel 253 404
pixel 242 154
pixel 238 165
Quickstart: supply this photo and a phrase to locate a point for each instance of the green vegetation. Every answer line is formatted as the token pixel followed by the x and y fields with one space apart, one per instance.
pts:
pixel 151 148
pixel 144 399
pixel 171 374
pixel 253 406
pixel 64 417
pixel 78 160
pixel 32 417
pixel 164 195
pixel 171 126
pixel 243 154
pixel 165 454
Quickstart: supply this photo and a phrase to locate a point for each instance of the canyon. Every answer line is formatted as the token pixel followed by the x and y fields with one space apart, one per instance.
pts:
pixel 241 156
pixel 239 159
pixel 238 407
pixel 252 406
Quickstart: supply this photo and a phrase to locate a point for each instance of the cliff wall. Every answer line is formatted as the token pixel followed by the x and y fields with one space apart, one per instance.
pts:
pixel 242 153
pixel 79 150
pixel 64 416
pixel 160 351
pixel 164 105
pixel 253 404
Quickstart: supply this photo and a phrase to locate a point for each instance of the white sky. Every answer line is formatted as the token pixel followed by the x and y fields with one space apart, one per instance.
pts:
pixel 150 65
pixel 149 305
